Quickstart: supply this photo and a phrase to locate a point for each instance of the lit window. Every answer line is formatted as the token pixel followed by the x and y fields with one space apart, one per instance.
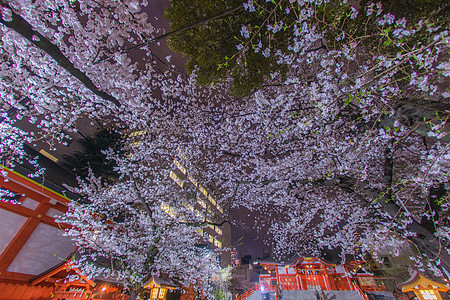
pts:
pixel 428 294
pixel 182 155
pixel 168 209
pixel 176 179
pixel 136 143
pixel 158 293
pixel 193 180
pixel 179 166
pixel 201 202
pixel 137 133
pixel 202 190
pixel 211 239
pixel 220 209
pixel 218 230
pixel 48 155
pixel 212 200
pixel 217 243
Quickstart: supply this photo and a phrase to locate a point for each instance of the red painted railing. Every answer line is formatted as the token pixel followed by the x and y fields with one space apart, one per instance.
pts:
pixel 262 288
pixel 72 295
pixel 361 293
pixel 360 289
pixel 247 293
pixel 373 288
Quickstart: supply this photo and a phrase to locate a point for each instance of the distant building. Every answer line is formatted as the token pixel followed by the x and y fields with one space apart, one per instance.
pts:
pixel 245 274
pixel 247 259
pixel 201 200
pixel 236 259
pixel 206 206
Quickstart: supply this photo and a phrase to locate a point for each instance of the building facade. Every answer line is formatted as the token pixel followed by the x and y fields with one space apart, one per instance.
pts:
pixel 204 203
pixel 309 276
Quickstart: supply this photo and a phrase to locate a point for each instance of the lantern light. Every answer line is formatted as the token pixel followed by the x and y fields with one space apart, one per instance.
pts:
pixel 158 293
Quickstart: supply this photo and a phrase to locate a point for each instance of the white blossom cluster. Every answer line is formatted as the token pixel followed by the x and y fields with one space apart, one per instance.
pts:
pixel 341 120
pixel 340 152
pixel 125 227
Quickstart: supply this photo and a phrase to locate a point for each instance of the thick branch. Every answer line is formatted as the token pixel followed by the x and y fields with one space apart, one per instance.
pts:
pixel 203 224
pixel 21 26
pixel 144 203
pixel 187 27
pixel 419 117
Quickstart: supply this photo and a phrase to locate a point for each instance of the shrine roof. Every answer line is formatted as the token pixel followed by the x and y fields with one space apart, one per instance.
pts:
pixel 295 261
pixel 53 271
pixel 417 280
pixel 63 268
pixel 160 282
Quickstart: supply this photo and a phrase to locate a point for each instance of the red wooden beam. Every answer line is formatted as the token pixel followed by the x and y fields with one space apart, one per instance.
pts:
pixel 23 211
pixel 17 243
pixel 12 276
pixel 22 185
pixel 23 180
pixel 84 277
pixel 22 236
pixel 47 277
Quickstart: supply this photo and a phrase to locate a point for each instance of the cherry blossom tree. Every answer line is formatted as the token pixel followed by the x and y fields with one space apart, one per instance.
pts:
pixel 132 227
pixel 343 149
pixel 349 144
pixel 143 223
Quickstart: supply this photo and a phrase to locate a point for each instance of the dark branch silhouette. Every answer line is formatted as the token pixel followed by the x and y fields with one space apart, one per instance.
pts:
pixel 21 26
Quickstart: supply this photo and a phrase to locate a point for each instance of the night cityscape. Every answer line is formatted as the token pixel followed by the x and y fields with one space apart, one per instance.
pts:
pixel 224 149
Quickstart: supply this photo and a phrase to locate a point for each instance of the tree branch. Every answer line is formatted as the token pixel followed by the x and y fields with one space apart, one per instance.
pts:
pixel 187 27
pixel 203 224
pixel 424 239
pixel 21 26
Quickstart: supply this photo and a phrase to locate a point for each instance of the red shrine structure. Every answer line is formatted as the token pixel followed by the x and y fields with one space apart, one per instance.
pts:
pixel 313 274
pixel 36 259
pixel 70 283
pixel 35 256
pixel 31 241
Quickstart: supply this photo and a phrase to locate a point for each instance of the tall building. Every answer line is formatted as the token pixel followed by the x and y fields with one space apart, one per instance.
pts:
pixel 204 203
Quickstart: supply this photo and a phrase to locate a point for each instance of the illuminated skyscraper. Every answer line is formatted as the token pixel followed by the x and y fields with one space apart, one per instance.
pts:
pixel 206 206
